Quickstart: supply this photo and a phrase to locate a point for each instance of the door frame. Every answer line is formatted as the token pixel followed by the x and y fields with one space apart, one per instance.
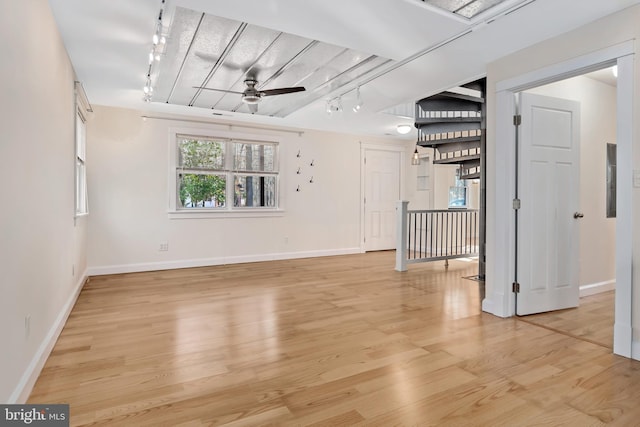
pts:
pixel 370 146
pixel 499 299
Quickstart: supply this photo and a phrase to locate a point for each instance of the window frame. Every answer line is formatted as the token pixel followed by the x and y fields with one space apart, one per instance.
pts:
pixel 81 200
pixel 229 171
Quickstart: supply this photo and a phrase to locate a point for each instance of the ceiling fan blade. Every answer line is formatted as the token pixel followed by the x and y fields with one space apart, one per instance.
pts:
pixel 282 91
pixel 253 108
pixel 218 90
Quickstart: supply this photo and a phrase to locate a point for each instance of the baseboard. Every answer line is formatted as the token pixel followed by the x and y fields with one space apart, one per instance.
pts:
pixel 597 288
pixel 635 350
pixel 28 380
pixel 207 262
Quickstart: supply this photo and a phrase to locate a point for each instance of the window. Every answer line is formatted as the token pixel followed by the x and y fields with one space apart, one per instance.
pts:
pixel 458 194
pixel 225 174
pixel 82 206
pixel 423 183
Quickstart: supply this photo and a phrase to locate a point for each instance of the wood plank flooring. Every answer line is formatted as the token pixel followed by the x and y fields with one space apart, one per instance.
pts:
pixel 337 341
pixel 592 321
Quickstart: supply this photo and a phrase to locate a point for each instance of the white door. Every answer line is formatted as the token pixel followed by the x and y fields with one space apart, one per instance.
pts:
pixel 549 178
pixel 381 193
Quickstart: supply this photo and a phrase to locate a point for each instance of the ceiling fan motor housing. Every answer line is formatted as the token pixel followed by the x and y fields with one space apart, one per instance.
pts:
pixel 251 95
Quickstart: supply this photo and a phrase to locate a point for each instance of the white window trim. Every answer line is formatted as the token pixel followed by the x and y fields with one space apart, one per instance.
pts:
pixel 80 146
pixel 228 211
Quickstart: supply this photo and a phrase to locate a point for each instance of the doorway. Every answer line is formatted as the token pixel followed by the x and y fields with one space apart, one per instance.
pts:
pixel 582 251
pixel 381 184
pixel 500 298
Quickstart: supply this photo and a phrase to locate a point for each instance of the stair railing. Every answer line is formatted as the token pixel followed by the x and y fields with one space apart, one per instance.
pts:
pixel 433 235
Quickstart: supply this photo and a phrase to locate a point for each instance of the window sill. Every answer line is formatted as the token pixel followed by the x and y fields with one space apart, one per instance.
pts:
pixel 207 214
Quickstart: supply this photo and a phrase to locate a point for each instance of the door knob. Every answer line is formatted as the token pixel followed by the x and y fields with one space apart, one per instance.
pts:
pixel 578 215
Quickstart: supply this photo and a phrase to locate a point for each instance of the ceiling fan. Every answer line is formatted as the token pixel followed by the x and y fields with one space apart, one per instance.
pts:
pixel 252 96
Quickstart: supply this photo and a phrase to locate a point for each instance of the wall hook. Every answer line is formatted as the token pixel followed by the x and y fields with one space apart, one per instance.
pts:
pixel 311 164
pixel 298 171
pixel 298 155
pixel 311 180
pixel 298 189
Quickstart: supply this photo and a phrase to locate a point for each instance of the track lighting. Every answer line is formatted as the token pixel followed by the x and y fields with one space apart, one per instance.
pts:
pixel 158 42
pixel 334 105
pixel 358 105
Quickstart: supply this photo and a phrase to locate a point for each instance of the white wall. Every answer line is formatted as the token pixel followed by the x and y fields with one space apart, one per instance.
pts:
pixel 39 243
pixel 602 34
pixel 128 177
pixel 597 128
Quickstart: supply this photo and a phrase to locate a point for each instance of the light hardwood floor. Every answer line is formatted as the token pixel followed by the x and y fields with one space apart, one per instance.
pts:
pixel 335 341
pixel 591 321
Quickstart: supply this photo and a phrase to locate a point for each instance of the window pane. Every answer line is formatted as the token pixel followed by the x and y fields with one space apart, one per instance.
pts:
pixel 81 188
pixel 254 157
pixel 194 153
pixel 201 191
pixel 255 191
pixel 81 138
pixel 457 197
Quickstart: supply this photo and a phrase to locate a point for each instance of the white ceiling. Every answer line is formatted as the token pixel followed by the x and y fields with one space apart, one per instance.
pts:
pixel 109 42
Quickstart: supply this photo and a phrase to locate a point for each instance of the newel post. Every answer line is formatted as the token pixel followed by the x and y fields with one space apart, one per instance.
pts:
pixel 401 235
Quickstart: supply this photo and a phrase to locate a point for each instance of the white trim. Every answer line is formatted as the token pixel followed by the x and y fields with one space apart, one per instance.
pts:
pixel 208 262
pixel 28 379
pixel 501 256
pixel 622 337
pixel 566 69
pixel 597 288
pixel 225 213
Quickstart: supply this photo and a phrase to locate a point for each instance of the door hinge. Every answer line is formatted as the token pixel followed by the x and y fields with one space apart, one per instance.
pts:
pixel 517 120
pixel 515 288
pixel 516 204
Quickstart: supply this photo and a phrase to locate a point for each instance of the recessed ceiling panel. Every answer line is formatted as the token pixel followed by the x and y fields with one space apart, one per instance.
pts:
pixel 240 61
pixel 279 55
pixel 465 8
pixel 213 35
pixel 219 53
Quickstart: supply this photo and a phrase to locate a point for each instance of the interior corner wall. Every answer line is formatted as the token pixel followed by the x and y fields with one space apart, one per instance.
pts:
pixel 39 244
pixel 129 181
pixel 597 128
pixel 604 33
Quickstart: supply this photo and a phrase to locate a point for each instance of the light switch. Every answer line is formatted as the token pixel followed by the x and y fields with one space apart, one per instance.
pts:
pixel 636 178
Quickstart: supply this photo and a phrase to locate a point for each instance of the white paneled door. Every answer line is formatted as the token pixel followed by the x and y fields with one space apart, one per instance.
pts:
pixel 549 178
pixel 381 192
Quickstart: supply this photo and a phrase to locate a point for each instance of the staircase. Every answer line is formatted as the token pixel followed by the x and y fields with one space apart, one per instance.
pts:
pixel 454 125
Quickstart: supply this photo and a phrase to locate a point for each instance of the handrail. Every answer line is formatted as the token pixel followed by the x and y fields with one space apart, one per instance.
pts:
pixel 437 234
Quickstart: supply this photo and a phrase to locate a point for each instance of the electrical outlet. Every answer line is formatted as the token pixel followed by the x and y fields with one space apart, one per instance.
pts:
pixel 27 325
pixel 164 246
